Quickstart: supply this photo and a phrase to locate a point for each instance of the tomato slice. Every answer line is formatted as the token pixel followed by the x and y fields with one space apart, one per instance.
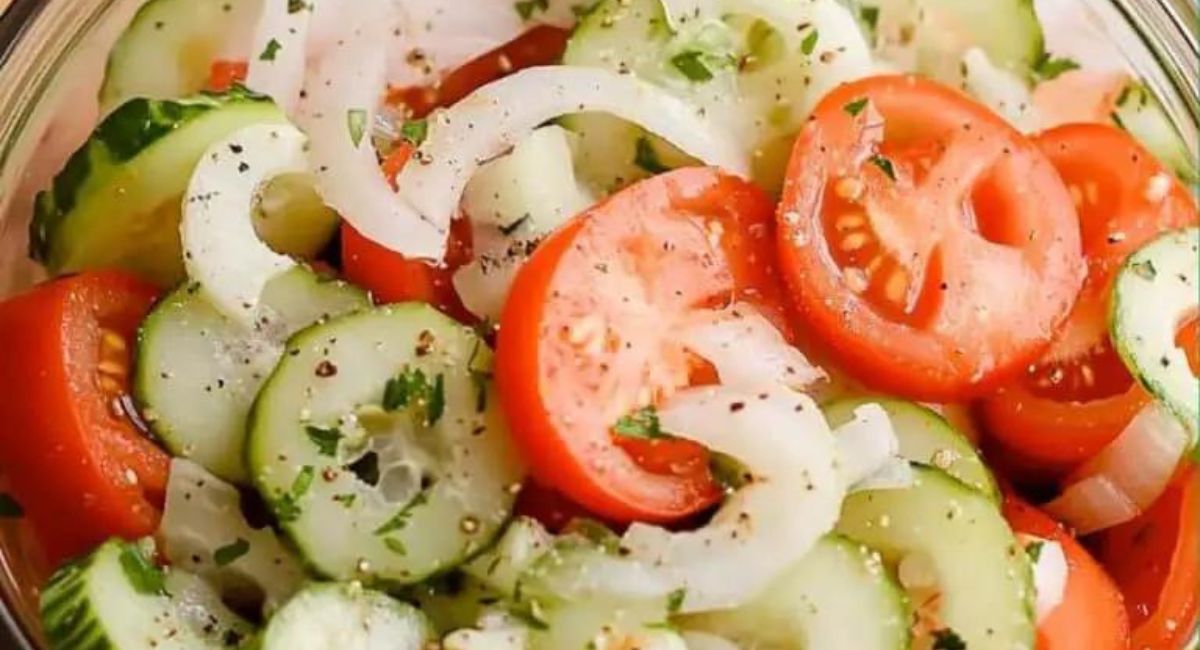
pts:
pixel 78 463
pixel 391 277
pixel 927 244
pixel 589 336
pixel 1156 561
pixel 1074 401
pixel 1092 614
pixel 542 45
pixel 224 74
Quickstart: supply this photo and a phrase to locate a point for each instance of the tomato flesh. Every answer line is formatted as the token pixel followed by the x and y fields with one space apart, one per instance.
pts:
pixel 930 247
pixel 1074 401
pixel 224 75
pixel 74 455
pixel 589 335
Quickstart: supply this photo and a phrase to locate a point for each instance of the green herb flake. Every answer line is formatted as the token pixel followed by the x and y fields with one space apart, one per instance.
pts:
pixel 647 158
pixel 326 439
pixel 526 8
pixel 691 65
pixel 857 106
pixel 642 423
pixel 396 546
pixel 869 16
pixel 1049 67
pixel 480 367
pixel 948 639
pixel 287 506
pixel 400 521
pixel 231 553
pixel 1034 550
pixel 435 408
pixel 809 44
pixel 675 600
pixel 269 52
pixel 1145 270
pixel 296 6
pixel 356 122
pixel 884 165
pixel 142 574
pixel 9 508
pixel 415 132
pixel 405 389
pixel 346 500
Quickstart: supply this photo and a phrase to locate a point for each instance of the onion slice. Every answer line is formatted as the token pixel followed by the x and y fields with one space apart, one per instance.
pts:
pixel 222 251
pixel 1128 476
pixel 279 54
pixel 1050 573
pixel 497 116
pixel 747 351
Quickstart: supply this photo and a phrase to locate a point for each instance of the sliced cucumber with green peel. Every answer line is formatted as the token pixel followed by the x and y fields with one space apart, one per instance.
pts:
pixel 1155 293
pixel 117 203
pixel 167 51
pixel 381 447
pixel 838 597
pixel 500 567
pixel 198 371
pixel 346 617
pixel 1140 113
pixel 926 438
pixel 971 557
pixel 117 599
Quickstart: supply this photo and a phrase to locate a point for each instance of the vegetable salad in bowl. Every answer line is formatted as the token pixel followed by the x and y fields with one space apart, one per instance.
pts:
pixel 655 324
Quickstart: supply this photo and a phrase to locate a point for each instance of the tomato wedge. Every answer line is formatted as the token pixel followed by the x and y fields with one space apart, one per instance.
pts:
pixel 77 462
pixel 1092 614
pixel 927 244
pixel 589 336
pixel 1073 402
pixel 1156 561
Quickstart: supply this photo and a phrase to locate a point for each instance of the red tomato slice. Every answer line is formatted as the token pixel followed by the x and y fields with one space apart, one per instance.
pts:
pixel 548 506
pixel 1092 614
pixel 589 335
pixel 391 277
pixel 1156 561
pixel 77 462
pixel 224 74
pixel 1074 401
pixel 541 45
pixel 928 245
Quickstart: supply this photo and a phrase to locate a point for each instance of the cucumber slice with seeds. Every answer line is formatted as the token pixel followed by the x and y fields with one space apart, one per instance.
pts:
pixel 1140 113
pixel 379 444
pixel 1155 293
pixel 198 371
pixel 346 617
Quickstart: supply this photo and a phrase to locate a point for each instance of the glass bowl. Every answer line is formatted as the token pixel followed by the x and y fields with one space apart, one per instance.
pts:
pixel 52 57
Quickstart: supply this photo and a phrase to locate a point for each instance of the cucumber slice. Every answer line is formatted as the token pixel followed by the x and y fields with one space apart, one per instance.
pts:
pixel 381 447
pixel 117 599
pixel 1141 114
pixel 167 51
pixel 931 36
pixel 118 201
pixel 838 597
pixel 453 601
pixel 346 617
pixel 926 438
pixel 1156 291
pixel 198 371
pixel 500 567
pixel 981 575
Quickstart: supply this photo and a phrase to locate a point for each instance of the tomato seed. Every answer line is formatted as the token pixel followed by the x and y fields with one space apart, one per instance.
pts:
pixel 854 242
pixel 896 286
pixel 850 221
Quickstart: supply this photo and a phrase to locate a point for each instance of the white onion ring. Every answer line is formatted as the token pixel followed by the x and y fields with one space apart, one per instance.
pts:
pixel 868 451
pixel 747 351
pixel 284 35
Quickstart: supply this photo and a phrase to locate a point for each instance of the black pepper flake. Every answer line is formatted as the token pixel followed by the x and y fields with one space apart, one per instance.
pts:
pixel 326 369
pixel 737 407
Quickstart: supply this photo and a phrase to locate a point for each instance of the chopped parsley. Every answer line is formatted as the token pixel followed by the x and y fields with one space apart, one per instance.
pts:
pixel 857 106
pixel 396 546
pixel 414 132
pixel 436 407
pixel 647 158
pixel 143 576
pixel 809 44
pixel 481 375
pixel 691 65
pixel 326 439
pixel 296 6
pixel 526 8
pixel 400 521
pixel 642 423
pixel 1034 550
pixel 508 230
pixel 884 165
pixel 356 122
pixel 269 52
pixel 869 16
pixel 1048 66
pixel 287 506
pixel 947 639
pixel 346 500
pixel 231 553
pixel 1145 270
pixel 412 388
pixel 9 508
pixel 675 600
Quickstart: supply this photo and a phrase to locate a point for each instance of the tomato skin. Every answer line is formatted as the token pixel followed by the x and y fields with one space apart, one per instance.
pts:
pixel 1156 561
pixel 82 472
pixel 1092 614
pixel 225 74
pixel 542 45
pixel 1075 401
pixel 646 257
pixel 981 290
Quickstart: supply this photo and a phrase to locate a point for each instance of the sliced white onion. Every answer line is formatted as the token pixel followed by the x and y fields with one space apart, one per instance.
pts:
pixel 1128 476
pixel 747 351
pixel 222 250
pixel 895 474
pixel 483 285
pixel 499 115
pixel 866 444
pixel 1004 92
pixel 203 515
pixel 705 641
pixel 1050 574
pixel 279 55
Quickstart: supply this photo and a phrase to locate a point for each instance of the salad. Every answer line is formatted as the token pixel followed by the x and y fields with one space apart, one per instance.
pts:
pixel 654 324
